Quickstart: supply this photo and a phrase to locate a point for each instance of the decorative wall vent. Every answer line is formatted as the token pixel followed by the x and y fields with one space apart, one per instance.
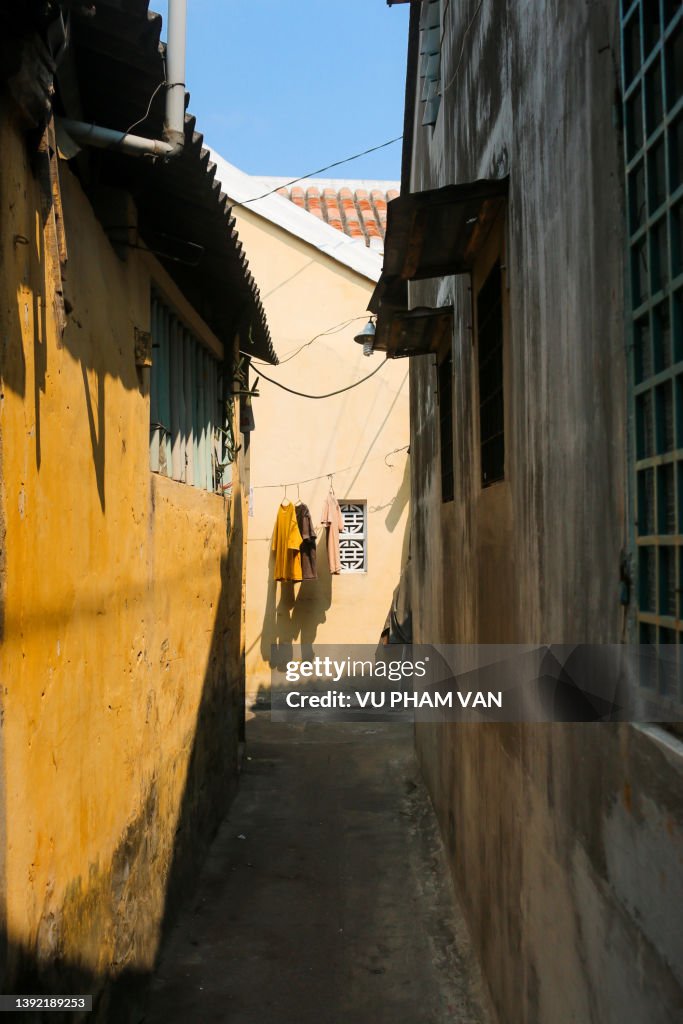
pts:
pixel 353 550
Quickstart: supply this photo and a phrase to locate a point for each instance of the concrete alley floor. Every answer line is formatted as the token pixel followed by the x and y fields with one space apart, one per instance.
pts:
pixel 325 898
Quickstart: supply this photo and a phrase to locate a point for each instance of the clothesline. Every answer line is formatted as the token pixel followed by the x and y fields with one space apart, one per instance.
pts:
pixel 319 529
pixel 321 476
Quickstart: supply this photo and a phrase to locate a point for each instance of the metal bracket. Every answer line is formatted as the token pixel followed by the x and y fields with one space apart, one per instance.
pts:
pixel 143 347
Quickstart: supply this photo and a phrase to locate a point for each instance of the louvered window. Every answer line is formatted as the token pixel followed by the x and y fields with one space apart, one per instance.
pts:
pixel 187 417
pixel 353 540
pixel 430 61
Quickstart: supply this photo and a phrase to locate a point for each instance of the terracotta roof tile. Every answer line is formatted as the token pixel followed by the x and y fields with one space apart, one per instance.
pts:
pixel 313 203
pixel 379 205
pixel 331 210
pixel 351 220
pixel 355 211
pixel 368 214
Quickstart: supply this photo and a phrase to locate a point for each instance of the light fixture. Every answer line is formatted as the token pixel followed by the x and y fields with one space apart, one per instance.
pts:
pixel 366 337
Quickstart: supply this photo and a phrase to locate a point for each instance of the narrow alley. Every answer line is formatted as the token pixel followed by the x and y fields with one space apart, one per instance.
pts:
pixel 325 896
pixel 341 512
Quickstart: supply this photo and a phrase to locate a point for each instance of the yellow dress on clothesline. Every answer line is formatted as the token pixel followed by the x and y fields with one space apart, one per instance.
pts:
pixel 287 541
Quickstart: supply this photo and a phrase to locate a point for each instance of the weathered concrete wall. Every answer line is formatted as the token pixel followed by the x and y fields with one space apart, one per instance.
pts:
pixel 566 841
pixel 305 293
pixel 565 846
pixel 121 660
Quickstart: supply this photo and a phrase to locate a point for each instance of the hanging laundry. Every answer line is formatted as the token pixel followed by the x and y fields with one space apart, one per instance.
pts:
pixel 286 545
pixel 304 521
pixel 332 518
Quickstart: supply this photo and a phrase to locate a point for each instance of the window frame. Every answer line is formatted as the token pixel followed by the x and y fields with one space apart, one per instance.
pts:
pixel 182 342
pixel 491 363
pixel 653 123
pixel 493 253
pixel 445 359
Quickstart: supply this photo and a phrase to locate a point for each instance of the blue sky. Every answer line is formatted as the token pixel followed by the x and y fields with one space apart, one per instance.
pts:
pixel 284 88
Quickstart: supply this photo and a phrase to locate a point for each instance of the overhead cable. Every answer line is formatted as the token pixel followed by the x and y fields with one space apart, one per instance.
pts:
pixel 321 170
pixel 323 334
pixel 300 394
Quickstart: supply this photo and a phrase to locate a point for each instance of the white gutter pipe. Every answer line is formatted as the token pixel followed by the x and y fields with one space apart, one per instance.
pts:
pixel 174 121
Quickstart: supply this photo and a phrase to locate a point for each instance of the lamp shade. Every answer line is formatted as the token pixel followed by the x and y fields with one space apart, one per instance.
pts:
pixel 366 338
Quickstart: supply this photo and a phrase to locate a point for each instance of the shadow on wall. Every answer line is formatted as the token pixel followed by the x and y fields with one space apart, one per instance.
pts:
pixel 24 263
pixel 400 501
pixel 115 904
pixel 294 611
pixel 97 429
pixel 12 358
pixel 31 262
pixel 295 616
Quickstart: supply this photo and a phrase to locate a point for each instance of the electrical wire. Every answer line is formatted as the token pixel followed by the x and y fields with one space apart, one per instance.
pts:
pixel 323 334
pixel 443 20
pixel 115 145
pixel 462 49
pixel 149 107
pixel 321 170
pixel 395 451
pixel 300 394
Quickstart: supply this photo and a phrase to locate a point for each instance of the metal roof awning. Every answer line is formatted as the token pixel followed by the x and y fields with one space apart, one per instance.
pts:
pixel 400 331
pixel 391 293
pixel 439 231
pixel 433 233
pixel 411 332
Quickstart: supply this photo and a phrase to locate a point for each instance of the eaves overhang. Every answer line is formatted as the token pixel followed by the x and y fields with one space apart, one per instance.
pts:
pixel 112 74
pixel 439 231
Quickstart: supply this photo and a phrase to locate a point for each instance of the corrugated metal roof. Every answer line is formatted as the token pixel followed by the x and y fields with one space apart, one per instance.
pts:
pixel 109 77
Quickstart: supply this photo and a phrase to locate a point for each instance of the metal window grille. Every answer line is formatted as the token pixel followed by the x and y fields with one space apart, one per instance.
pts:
pixel 353 539
pixel 430 61
pixel 490 363
pixel 187 417
pixel 445 396
pixel 652 70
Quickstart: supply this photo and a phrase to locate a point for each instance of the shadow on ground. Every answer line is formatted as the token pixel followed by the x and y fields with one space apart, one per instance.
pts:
pixel 325 896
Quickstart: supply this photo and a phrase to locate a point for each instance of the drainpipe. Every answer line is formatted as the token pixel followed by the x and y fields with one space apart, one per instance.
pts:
pixel 174 122
pixel 173 140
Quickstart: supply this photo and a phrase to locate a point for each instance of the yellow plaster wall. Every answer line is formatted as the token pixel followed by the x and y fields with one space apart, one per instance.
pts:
pixel 121 628
pixel 305 293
